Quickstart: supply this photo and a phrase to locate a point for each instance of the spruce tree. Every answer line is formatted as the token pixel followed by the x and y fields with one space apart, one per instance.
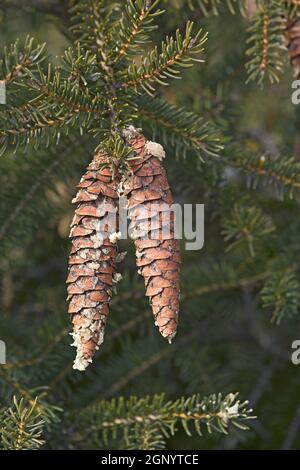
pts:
pixel 193 80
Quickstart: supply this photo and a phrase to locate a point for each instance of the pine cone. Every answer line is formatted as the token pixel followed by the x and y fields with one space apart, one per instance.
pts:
pixel 292 35
pixel 152 228
pixel 92 259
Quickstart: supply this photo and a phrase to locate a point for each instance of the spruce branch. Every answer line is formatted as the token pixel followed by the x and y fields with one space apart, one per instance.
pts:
pixel 22 426
pixel 246 225
pixel 184 130
pixel 221 276
pixel 281 294
pixel 70 85
pixel 62 100
pixel 111 98
pixel 93 23
pixel 86 94
pixel 88 91
pixel 135 25
pixel 16 59
pixel 157 66
pixel 279 171
pixel 266 42
pixel 33 125
pixel 34 397
pixel 125 420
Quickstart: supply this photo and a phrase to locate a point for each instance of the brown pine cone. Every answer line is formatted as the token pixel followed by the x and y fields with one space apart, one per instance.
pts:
pixel 152 228
pixel 292 35
pixel 92 260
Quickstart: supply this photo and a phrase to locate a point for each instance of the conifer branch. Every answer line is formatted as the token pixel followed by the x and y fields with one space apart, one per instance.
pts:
pixel 70 85
pixel 157 67
pixel 136 24
pixel 266 42
pixel 16 60
pixel 93 24
pixel 223 286
pixel 33 126
pixel 246 224
pixel 281 172
pixel 64 99
pixel 61 103
pixel 21 427
pixel 95 90
pixel 120 419
pixel 281 294
pixel 184 130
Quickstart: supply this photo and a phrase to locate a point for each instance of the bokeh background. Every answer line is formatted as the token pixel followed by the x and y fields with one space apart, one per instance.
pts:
pixel 226 340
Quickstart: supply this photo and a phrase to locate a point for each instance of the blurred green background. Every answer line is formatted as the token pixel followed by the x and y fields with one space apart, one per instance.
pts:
pixel 226 341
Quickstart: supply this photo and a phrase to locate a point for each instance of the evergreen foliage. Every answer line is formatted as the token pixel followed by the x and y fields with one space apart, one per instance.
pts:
pixel 229 146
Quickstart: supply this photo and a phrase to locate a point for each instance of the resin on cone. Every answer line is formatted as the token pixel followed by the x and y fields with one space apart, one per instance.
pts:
pixel 92 262
pixel 152 227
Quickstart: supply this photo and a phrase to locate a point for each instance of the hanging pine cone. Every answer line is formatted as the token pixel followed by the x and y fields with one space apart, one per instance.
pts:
pixel 94 232
pixel 92 259
pixel 152 228
pixel 293 43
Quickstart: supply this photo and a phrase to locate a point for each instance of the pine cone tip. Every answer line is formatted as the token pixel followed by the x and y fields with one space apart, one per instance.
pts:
pixel 88 335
